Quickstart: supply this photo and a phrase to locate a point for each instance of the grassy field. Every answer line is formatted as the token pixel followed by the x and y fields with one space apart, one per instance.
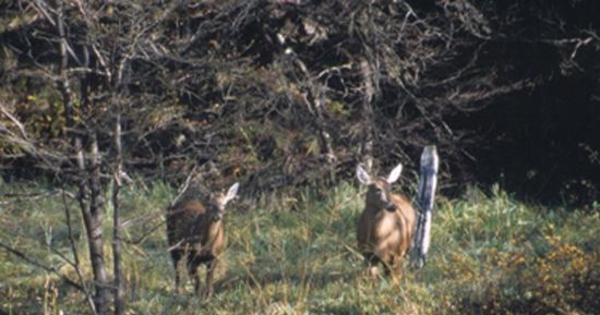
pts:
pixel 490 254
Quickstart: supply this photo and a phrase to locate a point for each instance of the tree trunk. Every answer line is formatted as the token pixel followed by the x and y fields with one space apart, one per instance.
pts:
pixel 118 293
pixel 93 212
pixel 93 215
pixel 368 115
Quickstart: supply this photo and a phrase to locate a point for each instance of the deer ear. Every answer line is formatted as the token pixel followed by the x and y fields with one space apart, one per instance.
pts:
pixel 395 174
pixel 362 175
pixel 232 192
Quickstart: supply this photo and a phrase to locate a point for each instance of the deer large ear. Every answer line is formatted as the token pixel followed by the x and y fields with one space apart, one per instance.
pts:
pixel 232 192
pixel 394 174
pixel 362 175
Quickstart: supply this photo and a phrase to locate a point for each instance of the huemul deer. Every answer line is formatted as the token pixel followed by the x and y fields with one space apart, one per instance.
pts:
pixel 195 229
pixel 386 226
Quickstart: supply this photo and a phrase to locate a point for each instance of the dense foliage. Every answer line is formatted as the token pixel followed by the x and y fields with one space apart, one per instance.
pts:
pixel 289 93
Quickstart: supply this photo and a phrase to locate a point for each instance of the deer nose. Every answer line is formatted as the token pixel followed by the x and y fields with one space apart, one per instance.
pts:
pixel 217 216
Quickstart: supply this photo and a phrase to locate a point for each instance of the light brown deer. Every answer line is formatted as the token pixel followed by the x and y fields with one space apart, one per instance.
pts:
pixel 195 230
pixel 386 226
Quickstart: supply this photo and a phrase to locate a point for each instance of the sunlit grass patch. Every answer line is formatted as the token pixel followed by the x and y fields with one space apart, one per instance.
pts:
pixel 296 254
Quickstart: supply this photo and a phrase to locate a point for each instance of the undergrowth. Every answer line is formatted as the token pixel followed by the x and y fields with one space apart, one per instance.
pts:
pixel 490 254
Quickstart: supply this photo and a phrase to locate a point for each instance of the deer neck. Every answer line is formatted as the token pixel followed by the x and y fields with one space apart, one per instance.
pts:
pixel 213 231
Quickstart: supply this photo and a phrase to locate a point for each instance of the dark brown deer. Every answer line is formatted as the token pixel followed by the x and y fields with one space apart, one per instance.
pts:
pixel 386 226
pixel 195 230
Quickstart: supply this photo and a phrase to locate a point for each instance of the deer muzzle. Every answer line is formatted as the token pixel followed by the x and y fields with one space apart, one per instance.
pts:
pixel 390 206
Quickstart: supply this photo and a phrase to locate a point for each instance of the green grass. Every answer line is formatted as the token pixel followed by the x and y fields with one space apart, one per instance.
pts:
pixel 490 254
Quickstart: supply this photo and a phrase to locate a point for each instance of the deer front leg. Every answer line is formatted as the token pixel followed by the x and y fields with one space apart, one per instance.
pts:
pixel 371 262
pixel 394 269
pixel 193 273
pixel 176 257
pixel 210 277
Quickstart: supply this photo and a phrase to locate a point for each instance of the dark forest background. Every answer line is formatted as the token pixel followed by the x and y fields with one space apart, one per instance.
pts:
pixel 282 94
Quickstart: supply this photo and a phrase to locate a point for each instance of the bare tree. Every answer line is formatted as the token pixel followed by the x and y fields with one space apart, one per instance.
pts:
pixel 84 159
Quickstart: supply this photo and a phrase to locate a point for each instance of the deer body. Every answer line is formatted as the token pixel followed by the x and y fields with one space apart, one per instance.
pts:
pixel 195 230
pixel 386 226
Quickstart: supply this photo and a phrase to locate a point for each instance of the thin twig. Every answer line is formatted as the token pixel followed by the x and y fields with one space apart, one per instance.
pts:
pixel 185 186
pixel 15 121
pixel 145 235
pixel 76 263
pixel 18 197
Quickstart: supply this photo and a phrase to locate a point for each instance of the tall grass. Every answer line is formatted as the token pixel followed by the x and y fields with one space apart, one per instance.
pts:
pixel 296 254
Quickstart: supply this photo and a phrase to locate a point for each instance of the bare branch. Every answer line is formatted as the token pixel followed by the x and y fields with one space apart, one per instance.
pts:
pixel 15 121
pixel 42 8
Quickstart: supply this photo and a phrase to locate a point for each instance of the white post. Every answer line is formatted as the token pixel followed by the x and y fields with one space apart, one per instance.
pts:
pixel 427 186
